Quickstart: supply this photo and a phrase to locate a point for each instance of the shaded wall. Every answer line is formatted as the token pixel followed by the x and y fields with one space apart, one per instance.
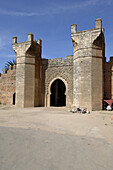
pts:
pixel 108 79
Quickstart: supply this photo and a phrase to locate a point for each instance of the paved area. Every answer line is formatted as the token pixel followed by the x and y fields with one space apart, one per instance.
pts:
pixel 55 139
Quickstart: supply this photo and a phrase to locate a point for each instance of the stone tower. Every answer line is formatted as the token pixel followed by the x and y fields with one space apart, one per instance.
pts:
pixel 88 57
pixel 28 80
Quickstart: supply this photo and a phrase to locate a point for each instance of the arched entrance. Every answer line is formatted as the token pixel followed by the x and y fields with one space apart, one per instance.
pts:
pixel 58 97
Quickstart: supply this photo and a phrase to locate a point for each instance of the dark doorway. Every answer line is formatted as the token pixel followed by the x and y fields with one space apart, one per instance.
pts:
pixel 58 97
pixel 14 97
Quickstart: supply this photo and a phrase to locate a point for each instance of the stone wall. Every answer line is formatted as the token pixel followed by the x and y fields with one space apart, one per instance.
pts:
pixel 88 66
pixel 87 77
pixel 108 79
pixel 7 86
pixel 28 81
pixel 59 69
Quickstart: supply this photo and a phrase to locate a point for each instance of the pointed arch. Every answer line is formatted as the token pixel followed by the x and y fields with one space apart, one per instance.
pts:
pixel 64 92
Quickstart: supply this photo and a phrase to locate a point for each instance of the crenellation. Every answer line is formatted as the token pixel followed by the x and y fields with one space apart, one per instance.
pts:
pixel 10 72
pixel 69 57
pixel 73 28
pixel 30 37
pixel 98 23
pixel 39 42
pixel 10 67
pixel 14 40
pixel 55 61
pixel 14 66
pixel 59 62
pixel 4 71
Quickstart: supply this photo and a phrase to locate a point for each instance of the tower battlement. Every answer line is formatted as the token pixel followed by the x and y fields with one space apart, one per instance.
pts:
pixel 29 40
pixel 88 55
pixel 28 70
pixel 98 25
pixel 9 71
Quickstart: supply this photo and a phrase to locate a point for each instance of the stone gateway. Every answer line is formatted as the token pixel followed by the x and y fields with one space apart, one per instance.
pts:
pixel 83 79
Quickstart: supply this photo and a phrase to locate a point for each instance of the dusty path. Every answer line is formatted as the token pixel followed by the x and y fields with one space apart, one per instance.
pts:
pixel 60 120
pixel 54 139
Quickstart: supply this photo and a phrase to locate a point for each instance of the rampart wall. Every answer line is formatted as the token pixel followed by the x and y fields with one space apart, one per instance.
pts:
pixel 8 85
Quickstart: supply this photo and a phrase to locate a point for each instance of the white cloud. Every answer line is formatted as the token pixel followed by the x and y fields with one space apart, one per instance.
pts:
pixel 57 9
pixel 80 5
pixel 14 13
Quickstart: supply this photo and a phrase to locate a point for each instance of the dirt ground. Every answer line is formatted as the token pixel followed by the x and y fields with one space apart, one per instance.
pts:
pixel 97 124
pixel 55 139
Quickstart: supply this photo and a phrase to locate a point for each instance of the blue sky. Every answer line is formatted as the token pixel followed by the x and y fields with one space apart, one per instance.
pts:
pixel 51 21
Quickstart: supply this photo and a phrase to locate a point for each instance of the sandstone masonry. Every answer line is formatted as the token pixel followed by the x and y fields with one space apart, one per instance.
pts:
pixel 83 79
pixel 8 85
